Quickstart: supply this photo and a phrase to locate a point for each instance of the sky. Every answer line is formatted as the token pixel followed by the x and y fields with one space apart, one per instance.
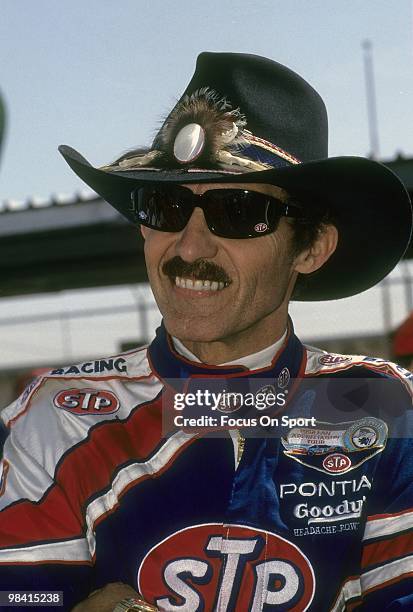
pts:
pixel 101 75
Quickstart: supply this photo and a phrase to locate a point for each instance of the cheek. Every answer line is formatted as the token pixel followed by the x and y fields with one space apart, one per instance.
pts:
pixel 266 267
pixel 267 255
pixel 155 248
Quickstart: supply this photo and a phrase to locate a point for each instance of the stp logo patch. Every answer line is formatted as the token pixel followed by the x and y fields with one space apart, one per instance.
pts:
pixel 226 567
pixel 337 463
pixel 87 401
pixel 333 359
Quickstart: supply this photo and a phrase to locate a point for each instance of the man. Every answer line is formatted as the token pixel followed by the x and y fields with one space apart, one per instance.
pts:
pixel 239 207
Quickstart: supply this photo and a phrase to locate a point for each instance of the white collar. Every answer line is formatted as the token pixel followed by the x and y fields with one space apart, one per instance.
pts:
pixel 255 361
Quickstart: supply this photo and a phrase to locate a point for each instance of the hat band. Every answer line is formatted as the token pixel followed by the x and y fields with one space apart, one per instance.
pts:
pixel 263 151
pixel 251 152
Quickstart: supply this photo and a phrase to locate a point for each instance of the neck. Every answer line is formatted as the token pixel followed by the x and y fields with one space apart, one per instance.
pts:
pixel 243 343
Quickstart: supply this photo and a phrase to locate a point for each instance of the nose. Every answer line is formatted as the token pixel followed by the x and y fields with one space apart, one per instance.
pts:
pixel 196 241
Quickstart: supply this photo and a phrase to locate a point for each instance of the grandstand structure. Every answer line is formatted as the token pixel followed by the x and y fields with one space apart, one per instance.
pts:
pixel 79 242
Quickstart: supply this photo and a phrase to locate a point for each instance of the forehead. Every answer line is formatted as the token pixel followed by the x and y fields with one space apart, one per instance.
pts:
pixel 272 190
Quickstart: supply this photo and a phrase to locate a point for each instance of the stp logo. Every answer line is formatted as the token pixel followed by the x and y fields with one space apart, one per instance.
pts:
pixel 226 567
pixel 333 359
pixel 337 463
pixel 260 227
pixel 87 401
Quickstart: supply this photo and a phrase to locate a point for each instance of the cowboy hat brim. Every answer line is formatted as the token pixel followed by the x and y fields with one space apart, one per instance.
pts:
pixel 370 205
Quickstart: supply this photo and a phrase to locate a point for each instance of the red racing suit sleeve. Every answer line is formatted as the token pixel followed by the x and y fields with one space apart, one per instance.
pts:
pixel 43 546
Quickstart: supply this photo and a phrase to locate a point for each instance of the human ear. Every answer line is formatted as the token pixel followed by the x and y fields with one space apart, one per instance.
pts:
pixel 323 247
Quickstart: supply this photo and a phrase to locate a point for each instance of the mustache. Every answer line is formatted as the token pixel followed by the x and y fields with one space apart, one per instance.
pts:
pixel 200 269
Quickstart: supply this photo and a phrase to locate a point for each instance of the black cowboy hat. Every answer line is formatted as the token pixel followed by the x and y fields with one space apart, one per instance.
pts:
pixel 247 119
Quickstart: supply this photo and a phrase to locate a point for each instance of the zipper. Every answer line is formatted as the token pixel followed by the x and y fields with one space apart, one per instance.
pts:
pixel 241 444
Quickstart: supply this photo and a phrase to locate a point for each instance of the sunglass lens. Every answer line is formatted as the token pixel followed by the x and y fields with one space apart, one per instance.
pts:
pixel 164 209
pixel 241 214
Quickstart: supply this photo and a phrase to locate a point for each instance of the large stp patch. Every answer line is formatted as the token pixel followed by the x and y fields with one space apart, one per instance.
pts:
pixel 226 568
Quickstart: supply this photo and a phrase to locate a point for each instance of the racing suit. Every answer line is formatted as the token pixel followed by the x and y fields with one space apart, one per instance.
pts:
pixel 316 518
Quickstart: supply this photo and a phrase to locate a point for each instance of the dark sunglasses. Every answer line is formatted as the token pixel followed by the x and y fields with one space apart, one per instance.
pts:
pixel 229 213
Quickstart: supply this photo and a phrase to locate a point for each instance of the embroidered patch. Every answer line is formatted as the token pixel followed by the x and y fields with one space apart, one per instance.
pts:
pixel 347 445
pixel 239 567
pixel 333 360
pixel 336 463
pixel 324 507
pixel 284 378
pixel 87 401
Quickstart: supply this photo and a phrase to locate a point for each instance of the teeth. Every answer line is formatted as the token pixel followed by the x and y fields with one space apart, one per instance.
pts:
pixel 199 285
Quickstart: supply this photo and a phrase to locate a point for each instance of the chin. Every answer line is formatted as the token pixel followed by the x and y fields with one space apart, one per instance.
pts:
pixel 193 330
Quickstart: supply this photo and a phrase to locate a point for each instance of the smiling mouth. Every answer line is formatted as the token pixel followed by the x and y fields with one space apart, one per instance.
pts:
pixel 200 285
